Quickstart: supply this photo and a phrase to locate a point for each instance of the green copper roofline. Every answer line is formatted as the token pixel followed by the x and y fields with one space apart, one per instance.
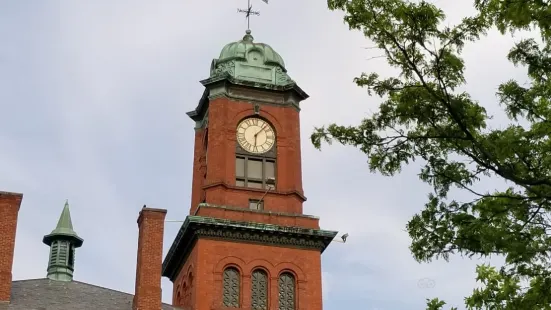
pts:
pixel 239 50
pixel 251 65
pixel 195 227
pixel 63 241
pixel 198 113
pixel 261 85
pixel 260 226
pixel 230 58
pixel 64 229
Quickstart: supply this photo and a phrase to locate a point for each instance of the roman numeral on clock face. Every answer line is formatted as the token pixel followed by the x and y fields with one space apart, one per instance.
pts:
pixel 241 138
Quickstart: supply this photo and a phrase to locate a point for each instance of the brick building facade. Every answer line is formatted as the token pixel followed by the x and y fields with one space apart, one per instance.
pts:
pixel 246 243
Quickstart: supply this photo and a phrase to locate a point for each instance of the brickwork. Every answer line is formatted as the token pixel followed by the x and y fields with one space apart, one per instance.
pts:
pixel 199 169
pixel 210 258
pixel 231 195
pixel 185 293
pixel 9 210
pixel 149 260
pixel 219 186
pixel 199 283
pixel 236 214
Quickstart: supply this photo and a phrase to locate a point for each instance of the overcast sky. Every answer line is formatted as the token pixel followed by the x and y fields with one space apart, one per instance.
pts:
pixel 93 96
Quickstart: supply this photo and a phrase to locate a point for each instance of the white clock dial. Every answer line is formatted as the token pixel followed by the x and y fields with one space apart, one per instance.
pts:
pixel 255 135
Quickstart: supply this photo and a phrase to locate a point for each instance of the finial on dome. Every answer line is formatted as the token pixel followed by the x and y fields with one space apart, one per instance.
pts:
pixel 248 37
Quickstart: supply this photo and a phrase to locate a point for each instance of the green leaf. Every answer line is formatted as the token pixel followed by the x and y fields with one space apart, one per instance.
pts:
pixel 423 116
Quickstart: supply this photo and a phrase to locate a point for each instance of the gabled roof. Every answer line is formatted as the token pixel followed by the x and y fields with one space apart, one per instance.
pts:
pixel 45 294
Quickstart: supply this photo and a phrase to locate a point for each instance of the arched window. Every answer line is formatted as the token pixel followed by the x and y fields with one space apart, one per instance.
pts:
pixel 179 297
pixel 259 294
pixel 287 289
pixel 183 295
pixel 232 284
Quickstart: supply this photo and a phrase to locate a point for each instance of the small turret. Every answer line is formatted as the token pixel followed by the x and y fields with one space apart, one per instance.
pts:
pixel 63 241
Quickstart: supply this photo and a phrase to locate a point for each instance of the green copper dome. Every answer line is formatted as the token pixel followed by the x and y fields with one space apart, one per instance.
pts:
pixel 249 61
pixel 239 50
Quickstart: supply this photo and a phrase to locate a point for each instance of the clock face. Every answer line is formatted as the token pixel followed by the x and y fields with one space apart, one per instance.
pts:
pixel 255 135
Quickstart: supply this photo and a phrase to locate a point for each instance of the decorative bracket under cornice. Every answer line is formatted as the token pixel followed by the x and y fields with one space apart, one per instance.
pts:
pixel 195 227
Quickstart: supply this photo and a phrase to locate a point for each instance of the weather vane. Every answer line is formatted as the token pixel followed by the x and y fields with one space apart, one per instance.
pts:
pixel 248 12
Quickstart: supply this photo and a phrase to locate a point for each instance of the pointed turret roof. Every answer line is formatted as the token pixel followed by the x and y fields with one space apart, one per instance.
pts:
pixel 64 229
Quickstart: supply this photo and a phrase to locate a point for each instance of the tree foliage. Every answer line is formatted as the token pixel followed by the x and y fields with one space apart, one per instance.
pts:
pixel 426 117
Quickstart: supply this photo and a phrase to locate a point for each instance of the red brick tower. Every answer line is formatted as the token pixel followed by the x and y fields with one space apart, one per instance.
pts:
pixel 246 243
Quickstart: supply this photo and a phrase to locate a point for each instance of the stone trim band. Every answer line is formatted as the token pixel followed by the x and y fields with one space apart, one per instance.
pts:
pixel 196 227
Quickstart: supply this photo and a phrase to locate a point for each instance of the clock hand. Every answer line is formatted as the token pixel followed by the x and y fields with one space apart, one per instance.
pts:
pixel 261 129
pixel 256 137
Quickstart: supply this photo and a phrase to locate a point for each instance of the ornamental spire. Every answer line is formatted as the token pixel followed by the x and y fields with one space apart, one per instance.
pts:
pixel 63 241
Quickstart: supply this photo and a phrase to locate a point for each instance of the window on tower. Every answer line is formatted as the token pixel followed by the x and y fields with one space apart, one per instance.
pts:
pixel 287 291
pixel 253 172
pixel 256 204
pixel 259 290
pixel 231 289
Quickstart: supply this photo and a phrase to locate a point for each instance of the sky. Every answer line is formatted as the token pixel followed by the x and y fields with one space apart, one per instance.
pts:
pixel 93 96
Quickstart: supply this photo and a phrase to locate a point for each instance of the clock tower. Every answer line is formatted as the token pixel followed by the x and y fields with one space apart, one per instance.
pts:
pixel 246 243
